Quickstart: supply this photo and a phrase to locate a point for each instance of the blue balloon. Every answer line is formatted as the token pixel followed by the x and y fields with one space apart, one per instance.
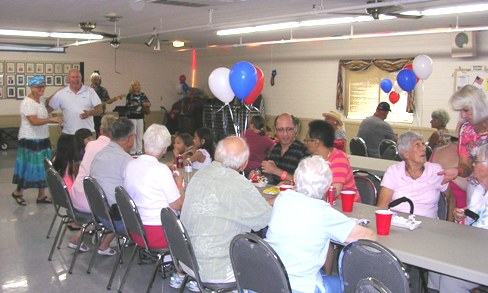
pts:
pixel 184 86
pixel 386 85
pixel 407 80
pixel 243 78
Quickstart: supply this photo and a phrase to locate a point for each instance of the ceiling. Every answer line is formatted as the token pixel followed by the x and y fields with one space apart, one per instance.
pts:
pixel 196 21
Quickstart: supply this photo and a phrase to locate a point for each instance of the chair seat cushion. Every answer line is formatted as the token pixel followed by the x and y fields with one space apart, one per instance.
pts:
pixel 220 286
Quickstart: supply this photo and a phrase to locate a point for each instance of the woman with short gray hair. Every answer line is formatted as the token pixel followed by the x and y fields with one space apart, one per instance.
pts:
pixel 472 104
pixel 413 178
pixel 441 136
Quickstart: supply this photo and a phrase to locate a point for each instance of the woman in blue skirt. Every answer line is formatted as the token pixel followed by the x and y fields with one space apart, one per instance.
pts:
pixel 34 144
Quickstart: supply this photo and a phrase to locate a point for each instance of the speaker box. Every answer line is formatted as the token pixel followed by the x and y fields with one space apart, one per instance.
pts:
pixel 463 44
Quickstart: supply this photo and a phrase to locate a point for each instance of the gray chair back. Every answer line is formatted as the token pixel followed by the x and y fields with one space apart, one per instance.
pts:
pixel 183 255
pixel 367 190
pixel 442 207
pixel 357 147
pixel 384 145
pixel 255 263
pixel 98 204
pixel 428 152
pixel 390 153
pixel 371 176
pixel 371 285
pixel 364 258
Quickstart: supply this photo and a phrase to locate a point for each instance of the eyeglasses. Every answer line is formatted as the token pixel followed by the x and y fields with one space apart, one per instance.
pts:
pixel 40 86
pixel 478 162
pixel 309 139
pixel 288 129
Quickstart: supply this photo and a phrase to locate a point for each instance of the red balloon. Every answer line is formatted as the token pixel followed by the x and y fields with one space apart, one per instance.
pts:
pixel 258 88
pixel 410 66
pixel 182 78
pixel 394 97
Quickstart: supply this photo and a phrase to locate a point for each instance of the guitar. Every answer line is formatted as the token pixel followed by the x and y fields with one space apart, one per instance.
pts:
pixel 111 100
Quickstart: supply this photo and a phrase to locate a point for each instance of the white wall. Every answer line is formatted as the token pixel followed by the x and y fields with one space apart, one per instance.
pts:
pixel 307 72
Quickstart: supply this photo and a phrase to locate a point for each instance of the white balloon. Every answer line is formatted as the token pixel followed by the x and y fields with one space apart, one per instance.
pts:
pixel 397 88
pixel 219 84
pixel 422 66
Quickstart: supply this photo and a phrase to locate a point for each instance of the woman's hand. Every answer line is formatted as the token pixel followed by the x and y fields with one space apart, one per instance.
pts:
pixel 56 120
pixel 458 214
pixel 449 174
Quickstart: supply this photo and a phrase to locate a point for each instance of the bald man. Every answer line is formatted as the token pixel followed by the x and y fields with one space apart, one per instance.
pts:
pixel 219 204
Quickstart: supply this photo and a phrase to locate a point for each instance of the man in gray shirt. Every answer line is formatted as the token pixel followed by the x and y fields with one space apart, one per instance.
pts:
pixel 374 129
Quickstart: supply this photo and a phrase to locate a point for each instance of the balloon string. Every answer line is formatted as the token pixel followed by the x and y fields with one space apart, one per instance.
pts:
pixel 232 118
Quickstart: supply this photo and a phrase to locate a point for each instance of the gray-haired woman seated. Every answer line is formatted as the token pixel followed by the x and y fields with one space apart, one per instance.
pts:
pixel 478 203
pixel 302 242
pixel 414 178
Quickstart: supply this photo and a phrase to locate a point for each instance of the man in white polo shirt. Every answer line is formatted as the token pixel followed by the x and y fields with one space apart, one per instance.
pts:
pixel 78 102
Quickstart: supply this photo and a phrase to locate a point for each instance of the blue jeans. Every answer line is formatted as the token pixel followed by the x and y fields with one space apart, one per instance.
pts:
pixel 332 284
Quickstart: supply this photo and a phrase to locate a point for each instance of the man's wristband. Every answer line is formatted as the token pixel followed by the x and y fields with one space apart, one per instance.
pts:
pixel 179 185
pixel 283 175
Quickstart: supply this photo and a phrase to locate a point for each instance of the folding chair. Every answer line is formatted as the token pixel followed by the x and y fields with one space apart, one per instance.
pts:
pixel 357 147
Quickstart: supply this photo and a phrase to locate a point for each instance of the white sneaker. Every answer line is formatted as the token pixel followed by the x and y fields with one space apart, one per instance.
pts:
pixel 83 247
pixel 108 252
pixel 177 280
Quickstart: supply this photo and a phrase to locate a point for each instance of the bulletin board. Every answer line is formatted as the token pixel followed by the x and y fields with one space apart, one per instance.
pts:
pixel 478 78
pixel 15 75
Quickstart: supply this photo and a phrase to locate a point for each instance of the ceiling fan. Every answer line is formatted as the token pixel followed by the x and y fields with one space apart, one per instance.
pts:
pixel 89 28
pixel 390 10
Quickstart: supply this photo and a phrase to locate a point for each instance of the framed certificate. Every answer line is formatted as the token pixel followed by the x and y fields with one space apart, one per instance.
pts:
pixel 40 68
pixel 20 79
pixel 20 67
pixel 30 68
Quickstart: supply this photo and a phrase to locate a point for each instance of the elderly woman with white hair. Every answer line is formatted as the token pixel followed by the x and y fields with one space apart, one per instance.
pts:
pixel 441 136
pixel 413 178
pixel 472 104
pixel 152 185
pixel 304 251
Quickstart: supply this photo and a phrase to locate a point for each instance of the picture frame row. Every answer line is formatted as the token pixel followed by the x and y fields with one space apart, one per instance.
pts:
pixel 23 80
pixel 24 67
pixel 12 92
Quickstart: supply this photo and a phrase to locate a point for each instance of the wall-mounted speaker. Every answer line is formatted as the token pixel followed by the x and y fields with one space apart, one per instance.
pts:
pixel 463 44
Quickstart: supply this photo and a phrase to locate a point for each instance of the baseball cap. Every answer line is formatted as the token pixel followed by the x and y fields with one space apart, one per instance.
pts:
pixel 384 106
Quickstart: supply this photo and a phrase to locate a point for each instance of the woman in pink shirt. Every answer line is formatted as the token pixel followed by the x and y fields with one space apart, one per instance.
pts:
pixel 259 143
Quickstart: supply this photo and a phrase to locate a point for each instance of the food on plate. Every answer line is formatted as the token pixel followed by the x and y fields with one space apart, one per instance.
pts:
pixel 274 190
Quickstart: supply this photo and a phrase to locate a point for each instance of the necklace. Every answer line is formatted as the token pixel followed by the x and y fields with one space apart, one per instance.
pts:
pixel 415 177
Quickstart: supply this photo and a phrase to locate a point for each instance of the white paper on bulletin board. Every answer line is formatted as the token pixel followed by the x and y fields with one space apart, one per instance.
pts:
pixel 478 79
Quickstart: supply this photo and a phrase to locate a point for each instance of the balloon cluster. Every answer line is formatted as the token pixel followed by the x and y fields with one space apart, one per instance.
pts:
pixel 184 86
pixel 244 81
pixel 407 78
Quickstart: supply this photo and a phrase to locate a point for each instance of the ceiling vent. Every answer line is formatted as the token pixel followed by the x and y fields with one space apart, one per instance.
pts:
pixel 463 44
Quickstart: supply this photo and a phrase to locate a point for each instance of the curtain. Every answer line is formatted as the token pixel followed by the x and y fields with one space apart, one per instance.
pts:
pixel 389 65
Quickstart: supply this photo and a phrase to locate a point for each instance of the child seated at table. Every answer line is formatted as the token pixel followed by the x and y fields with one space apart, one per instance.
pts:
pixel 182 146
pixel 204 148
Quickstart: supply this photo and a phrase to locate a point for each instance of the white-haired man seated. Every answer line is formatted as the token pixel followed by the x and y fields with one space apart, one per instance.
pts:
pixel 152 186
pixel 302 242
pixel 219 204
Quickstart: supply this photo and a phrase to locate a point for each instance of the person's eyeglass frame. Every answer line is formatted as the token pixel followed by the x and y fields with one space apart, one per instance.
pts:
pixel 285 129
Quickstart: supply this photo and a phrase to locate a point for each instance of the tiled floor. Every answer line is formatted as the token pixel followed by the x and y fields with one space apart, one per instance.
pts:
pixel 24 250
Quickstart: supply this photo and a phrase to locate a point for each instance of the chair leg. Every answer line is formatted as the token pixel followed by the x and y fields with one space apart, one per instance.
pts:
pixel 62 234
pixel 58 233
pixel 158 264
pixel 136 249
pixel 51 226
pixel 77 250
pixel 95 249
pixel 116 264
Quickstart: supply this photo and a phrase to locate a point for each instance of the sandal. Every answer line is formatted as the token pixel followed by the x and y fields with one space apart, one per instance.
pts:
pixel 44 200
pixel 83 247
pixel 108 252
pixel 19 199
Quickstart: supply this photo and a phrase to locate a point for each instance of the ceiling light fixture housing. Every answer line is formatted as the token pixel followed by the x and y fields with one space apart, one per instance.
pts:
pixel 115 43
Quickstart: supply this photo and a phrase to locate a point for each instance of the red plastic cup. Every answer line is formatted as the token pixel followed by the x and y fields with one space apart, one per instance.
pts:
pixel 383 222
pixel 285 187
pixel 347 197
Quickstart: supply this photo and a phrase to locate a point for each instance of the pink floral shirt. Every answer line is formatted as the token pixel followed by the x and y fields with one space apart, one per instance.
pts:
pixel 470 141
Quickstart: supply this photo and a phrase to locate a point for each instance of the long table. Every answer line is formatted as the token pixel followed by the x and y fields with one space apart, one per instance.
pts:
pixel 445 247
pixel 374 165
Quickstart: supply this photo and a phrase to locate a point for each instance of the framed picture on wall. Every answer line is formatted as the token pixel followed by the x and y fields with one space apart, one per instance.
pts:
pixel 10 92
pixel 28 78
pixel 76 66
pixel 49 80
pixel 65 80
pixel 49 68
pixel 40 68
pixel 67 68
pixel 20 67
pixel 30 68
pixel 10 67
pixel 58 80
pixel 20 79
pixel 1 93
pixel 10 79
pixel 58 68
pixel 20 92
pixel 1 79
pixel 1 67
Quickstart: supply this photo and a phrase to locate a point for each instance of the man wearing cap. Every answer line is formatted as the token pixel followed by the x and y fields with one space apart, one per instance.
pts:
pixel 78 102
pixel 374 129
pixel 334 119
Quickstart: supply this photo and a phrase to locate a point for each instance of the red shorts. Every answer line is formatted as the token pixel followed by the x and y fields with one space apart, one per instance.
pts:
pixel 154 235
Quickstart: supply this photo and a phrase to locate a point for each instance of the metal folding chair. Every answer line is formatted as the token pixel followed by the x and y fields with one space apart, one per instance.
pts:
pixel 357 147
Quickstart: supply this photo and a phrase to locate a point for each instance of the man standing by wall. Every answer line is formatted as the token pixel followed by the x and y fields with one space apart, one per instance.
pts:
pixel 283 159
pixel 374 129
pixel 78 102
pixel 96 84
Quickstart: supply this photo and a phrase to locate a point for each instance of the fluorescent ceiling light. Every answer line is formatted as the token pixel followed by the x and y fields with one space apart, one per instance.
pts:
pixel 277 26
pixel 456 9
pixel 327 21
pixel 30 48
pixel 178 44
pixel 36 34
pixel 24 33
pixel 236 31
